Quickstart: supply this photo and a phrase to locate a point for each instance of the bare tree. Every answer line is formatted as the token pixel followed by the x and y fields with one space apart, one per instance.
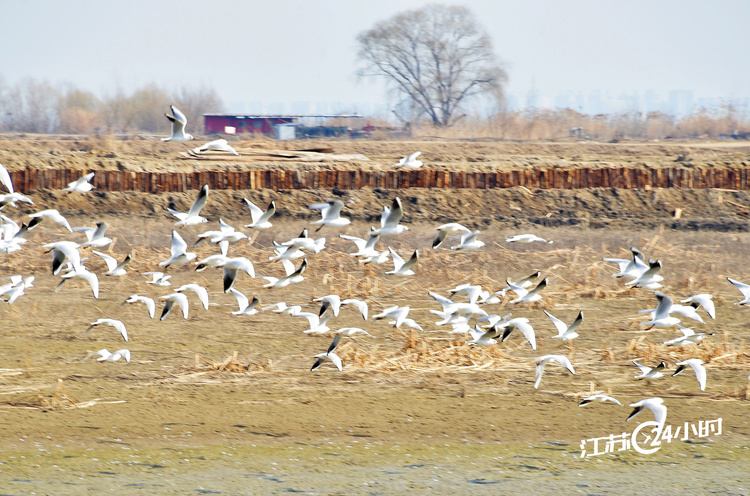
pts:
pixel 439 57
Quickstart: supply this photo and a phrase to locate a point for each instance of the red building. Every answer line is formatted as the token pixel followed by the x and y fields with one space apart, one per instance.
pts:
pixel 243 123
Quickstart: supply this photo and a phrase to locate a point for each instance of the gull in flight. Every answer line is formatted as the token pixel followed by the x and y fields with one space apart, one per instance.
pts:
pixel 282 307
pixel 171 299
pixel 54 216
pixel 63 251
pixel 397 316
pixel 704 300
pixel 631 268
pixel 232 267
pixel 113 267
pixel 656 405
pixel 192 217
pixel 15 289
pixel 331 212
pixel 401 268
pixel 650 279
pixel 178 122
pixel 661 317
pixel 143 299
pixel 475 294
pixel 334 302
pixel 199 290
pixel 246 307
pixel 179 251
pixel 158 278
pixel 744 289
pixel 365 247
pixel 95 235
pixel 260 217
pixel 565 332
pixel 469 242
pixel 345 332
pixel 110 322
pixel 410 162
pixel 389 220
pixel 447 230
pixel 81 273
pixel 697 365
pixel 82 184
pixel 5 179
pixel 525 238
pixel 689 337
pixel 526 296
pixel 105 356
pixel 602 398
pixel 12 198
pixel 543 360
pixel 220 144
pixel 292 275
pixel 11 235
pixel 317 325
pixel 321 357
pixel 522 324
pixel 648 372
pixel 480 337
pixel 223 237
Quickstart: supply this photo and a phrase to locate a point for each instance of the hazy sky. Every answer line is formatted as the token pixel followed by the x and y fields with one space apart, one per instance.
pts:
pixel 257 53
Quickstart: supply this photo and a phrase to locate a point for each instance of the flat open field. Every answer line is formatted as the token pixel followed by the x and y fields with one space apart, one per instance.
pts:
pixel 225 404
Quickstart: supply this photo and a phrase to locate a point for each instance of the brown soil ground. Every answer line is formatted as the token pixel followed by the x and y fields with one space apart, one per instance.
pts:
pixel 412 411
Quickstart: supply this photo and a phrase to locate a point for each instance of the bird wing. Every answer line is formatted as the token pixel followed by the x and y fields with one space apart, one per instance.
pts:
pixel 334 343
pixel 559 324
pixel 744 288
pixel 538 287
pixel 361 306
pixel 398 262
pixel 5 179
pixel 200 201
pixel 394 215
pixel 413 157
pixel 120 328
pixel 411 262
pixel 336 360
pixel 179 246
pixel 110 261
pixel 563 360
pixel 664 306
pixel 538 374
pixel 704 300
pixel 643 368
pixel 523 325
pixel 178 116
pixel 242 300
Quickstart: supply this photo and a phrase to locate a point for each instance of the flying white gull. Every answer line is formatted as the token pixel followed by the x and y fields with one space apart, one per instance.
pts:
pixel 54 216
pixel 12 198
pixel 543 360
pixel 321 357
pixel 192 217
pixel 178 122
pixel 650 279
pixel 526 296
pixel 389 220
pixel 292 275
pixel 246 308
pixel 158 278
pixel 143 299
pixel 469 242
pixel 602 398
pixel 178 250
pixel 689 337
pixel 282 307
pixel 260 217
pixel 410 162
pixel 522 324
pixel 744 289
pixel 317 325
pixel 565 332
pixel 81 273
pixel 397 316
pixel 331 213
pixel 525 238
pixel 113 267
pixel 447 230
pixel 95 235
pixel 365 247
pixel 704 300
pixel 480 337
pixel 171 299
pixel 401 268
pixel 11 235
pixel 223 237
pixel 648 372
pixel 345 332
pixel 63 251
pixel 220 144
pixel 82 184
pixel 661 317
pixel 656 405
pixel 631 268
pixel 199 290
pixel 234 266
pixel 105 356
pixel 110 322
pixel 697 365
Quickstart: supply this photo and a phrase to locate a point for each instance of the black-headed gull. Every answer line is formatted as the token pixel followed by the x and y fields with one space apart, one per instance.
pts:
pixel 322 357
pixel 246 307
pixel 54 216
pixel 260 217
pixel 95 235
pixel 650 279
pixel 697 365
pixel 178 250
pixel 469 242
pixel 232 267
pixel 292 275
pixel 689 337
pixel 143 299
pixel 397 316
pixel 82 184
pixel 113 267
pixel 365 247
pixel 117 324
pixel 389 220
pixel 744 289
pixel 704 300
pixel 648 372
pixel 220 145
pixel 525 238
pixel 223 237
pixel 317 325
pixel 104 355
pixel 661 317
pixel 192 217
pixel 526 296
pixel 197 289
pixel 656 405
pixel 522 324
pixel 63 251
pixel 81 273
pixel 11 235
pixel 401 268
pixel 565 332
pixel 178 121
pixel 282 307
pixel 601 398
pixel 544 360
pixel 631 268
pixel 345 332
pixel 331 214
pixel 171 299
pixel 481 337
pixel 410 162
pixel 447 230
pixel 158 278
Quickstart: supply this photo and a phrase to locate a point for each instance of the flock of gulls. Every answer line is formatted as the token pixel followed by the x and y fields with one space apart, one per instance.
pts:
pixel 465 310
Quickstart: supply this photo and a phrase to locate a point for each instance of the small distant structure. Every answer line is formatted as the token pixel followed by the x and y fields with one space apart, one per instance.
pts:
pixel 285 127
